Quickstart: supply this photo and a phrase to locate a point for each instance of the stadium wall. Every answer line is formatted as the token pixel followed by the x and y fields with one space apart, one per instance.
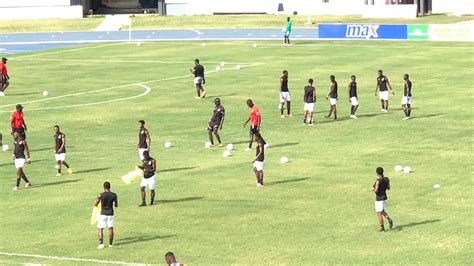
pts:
pixel 35 9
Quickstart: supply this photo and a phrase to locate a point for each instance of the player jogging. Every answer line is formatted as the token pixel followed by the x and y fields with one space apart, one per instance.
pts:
pixel 108 200
pixel 406 99
pixel 380 187
pixel 287 31
pixel 171 260
pixel 4 78
pixel 332 96
pixel 199 80
pixel 17 122
pixel 20 146
pixel 259 158
pixel 353 99
pixel 255 120
pixel 148 180
pixel 309 100
pixel 285 94
pixel 383 85
pixel 216 122
pixel 60 150
pixel 144 139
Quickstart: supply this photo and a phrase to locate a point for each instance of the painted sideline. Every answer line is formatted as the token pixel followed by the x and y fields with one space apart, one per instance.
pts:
pixel 69 259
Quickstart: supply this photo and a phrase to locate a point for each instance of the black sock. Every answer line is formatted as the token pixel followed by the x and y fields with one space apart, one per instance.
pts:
pixel 409 112
pixel 111 240
pixel 281 111
pixel 152 195
pixel 101 241
pixel 65 164
pixel 24 178
pixel 18 182
pixel 288 108
pixel 59 170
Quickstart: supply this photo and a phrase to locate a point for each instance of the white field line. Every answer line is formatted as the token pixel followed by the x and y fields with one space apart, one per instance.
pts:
pixel 69 50
pixel 117 61
pixel 196 31
pixel 68 259
pixel 141 84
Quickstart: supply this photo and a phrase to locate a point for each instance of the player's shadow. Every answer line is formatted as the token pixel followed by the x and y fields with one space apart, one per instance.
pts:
pixel 92 170
pixel 371 115
pixel 179 200
pixel 403 226
pixel 23 93
pixel 220 96
pixel 176 169
pixel 286 144
pixel 13 163
pixel 47 149
pixel 292 180
pixel 135 239
pixel 426 116
pixel 62 182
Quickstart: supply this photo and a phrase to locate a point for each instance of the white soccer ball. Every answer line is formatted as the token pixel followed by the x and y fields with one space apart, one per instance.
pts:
pixel 222 63
pixel 398 168
pixel 407 169
pixel 238 67
pixel 203 44
pixel 230 146
pixel 266 146
pixel 5 147
pixel 218 68
pixel 139 43
pixel 207 144
pixel 284 159
pixel 226 154
pixel 45 93
pixel 56 167
pixel 436 186
pixel 254 44
pixel 167 144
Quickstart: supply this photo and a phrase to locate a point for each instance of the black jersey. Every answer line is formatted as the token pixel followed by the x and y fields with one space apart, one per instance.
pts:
pixel 333 93
pixel 58 140
pixel 198 71
pixel 407 90
pixel 352 89
pixel 142 136
pixel 284 83
pixel 261 146
pixel 382 83
pixel 107 200
pixel 381 193
pixel 218 115
pixel 148 170
pixel 309 94
pixel 19 149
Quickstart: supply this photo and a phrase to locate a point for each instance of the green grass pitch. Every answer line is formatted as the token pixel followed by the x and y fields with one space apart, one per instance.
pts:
pixel 316 209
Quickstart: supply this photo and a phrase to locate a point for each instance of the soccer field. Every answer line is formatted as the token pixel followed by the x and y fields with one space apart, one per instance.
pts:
pixel 316 209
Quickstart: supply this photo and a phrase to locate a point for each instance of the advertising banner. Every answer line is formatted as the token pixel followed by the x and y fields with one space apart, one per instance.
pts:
pixel 453 32
pixel 363 31
pixel 417 32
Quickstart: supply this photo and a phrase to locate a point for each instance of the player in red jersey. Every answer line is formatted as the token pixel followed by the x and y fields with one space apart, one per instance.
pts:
pixel 255 120
pixel 17 122
pixel 4 78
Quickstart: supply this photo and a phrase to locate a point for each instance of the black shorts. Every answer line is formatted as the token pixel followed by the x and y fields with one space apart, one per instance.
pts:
pixel 253 129
pixel 212 127
pixel 3 80
pixel 21 131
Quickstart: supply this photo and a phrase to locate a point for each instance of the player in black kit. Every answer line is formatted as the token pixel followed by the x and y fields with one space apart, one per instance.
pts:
pixel 144 139
pixel 406 100
pixel 216 122
pixel 353 99
pixel 383 85
pixel 309 100
pixel 199 80
pixel 108 200
pixel 20 146
pixel 60 150
pixel 259 158
pixel 381 185
pixel 148 180
pixel 332 96
pixel 285 95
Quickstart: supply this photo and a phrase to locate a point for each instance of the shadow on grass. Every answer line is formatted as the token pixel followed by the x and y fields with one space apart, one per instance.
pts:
pixel 286 181
pixel 220 96
pixel 179 200
pixel 176 169
pixel 135 239
pixel 54 183
pixel 48 149
pixel 92 170
pixel 23 93
pixel 283 144
pixel 33 162
pixel 402 226
pixel 426 116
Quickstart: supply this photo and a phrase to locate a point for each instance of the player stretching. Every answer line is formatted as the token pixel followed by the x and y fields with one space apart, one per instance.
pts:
pixel 108 200
pixel 216 122
pixel 309 100
pixel 259 158
pixel 171 260
pixel 199 79
pixel 406 100
pixel 285 94
pixel 20 146
pixel 60 150
pixel 144 139
pixel 4 78
pixel 148 180
pixel 381 185
pixel 17 122
pixel 287 31
pixel 353 97
pixel 255 120
pixel 332 96
pixel 382 88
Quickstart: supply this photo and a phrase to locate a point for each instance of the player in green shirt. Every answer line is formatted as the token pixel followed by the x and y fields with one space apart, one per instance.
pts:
pixel 287 30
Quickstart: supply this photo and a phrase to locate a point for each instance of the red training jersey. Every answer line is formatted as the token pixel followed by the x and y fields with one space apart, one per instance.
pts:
pixel 3 69
pixel 16 119
pixel 254 115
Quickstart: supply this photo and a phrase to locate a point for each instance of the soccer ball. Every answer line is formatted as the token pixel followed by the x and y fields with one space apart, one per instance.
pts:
pixel 226 154
pixel 45 93
pixel 398 168
pixel 284 159
pixel 218 68
pixel 266 146
pixel 203 44
pixel 222 63
pixel 230 146
pixel 238 67
pixel 167 144
pixel 56 167
pixel 436 186
pixel 5 147
pixel 254 44
pixel 207 144
pixel 139 43
pixel 407 169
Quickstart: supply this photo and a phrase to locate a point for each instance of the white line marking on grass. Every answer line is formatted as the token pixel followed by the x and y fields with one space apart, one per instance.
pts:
pixel 70 50
pixel 69 259
pixel 196 31
pixel 119 61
